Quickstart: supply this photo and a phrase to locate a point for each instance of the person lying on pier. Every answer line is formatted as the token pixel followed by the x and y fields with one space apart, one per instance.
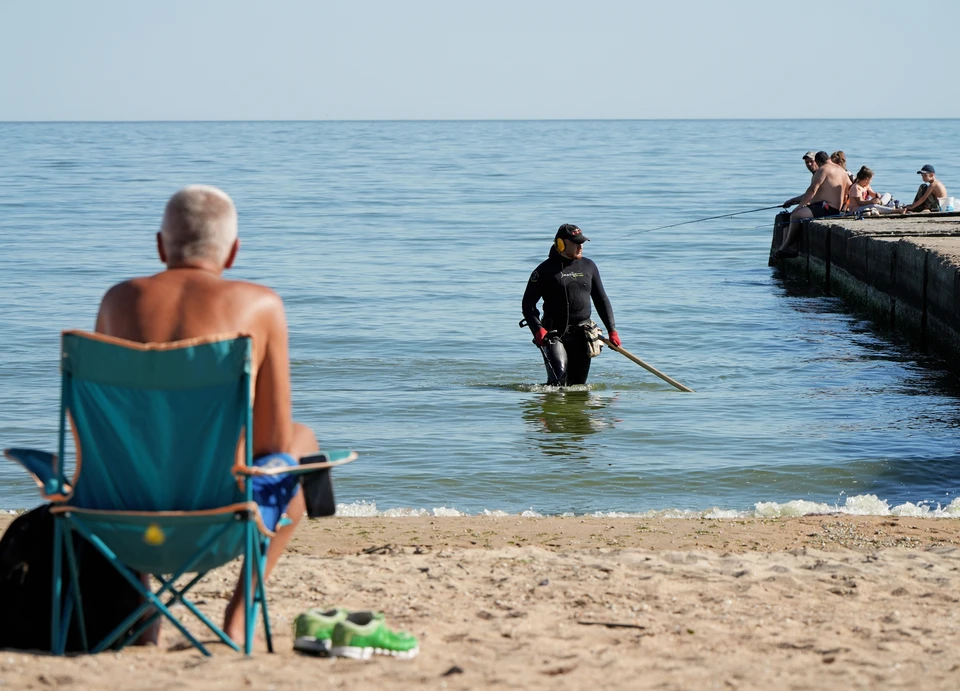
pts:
pixel 824 198
pixel 809 159
pixel 863 200
pixel 930 191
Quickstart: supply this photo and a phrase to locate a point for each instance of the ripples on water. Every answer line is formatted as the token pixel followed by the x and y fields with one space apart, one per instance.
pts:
pixel 402 250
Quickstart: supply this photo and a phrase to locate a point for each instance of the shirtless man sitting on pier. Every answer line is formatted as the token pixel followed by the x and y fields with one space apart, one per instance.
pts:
pixel 189 299
pixel 824 197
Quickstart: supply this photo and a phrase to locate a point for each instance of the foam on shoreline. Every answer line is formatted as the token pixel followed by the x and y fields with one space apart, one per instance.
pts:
pixel 860 505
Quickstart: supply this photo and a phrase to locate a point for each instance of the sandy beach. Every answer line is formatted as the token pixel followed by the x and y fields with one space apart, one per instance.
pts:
pixel 571 603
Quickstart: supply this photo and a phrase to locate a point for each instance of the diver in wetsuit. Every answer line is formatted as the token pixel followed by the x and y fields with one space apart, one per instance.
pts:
pixel 566 281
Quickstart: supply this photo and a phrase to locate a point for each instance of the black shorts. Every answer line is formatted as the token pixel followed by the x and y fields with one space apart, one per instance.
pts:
pixel 821 209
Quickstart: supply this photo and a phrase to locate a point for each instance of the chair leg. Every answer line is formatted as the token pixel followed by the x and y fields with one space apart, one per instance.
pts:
pixel 75 592
pixel 248 620
pixel 152 598
pixel 66 619
pixel 181 596
pixel 178 596
pixel 262 546
pixel 55 595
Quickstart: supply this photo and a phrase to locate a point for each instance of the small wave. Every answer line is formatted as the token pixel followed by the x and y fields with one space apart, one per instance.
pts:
pixel 861 505
pixel 369 509
pixel 539 388
pixel 546 388
pixel 596 386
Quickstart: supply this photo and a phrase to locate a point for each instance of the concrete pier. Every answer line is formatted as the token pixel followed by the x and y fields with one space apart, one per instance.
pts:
pixel 903 272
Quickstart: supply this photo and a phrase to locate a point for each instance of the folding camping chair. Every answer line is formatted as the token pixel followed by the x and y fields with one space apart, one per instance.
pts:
pixel 161 484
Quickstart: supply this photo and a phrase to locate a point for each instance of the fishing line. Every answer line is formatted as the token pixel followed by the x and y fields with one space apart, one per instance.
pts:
pixel 700 220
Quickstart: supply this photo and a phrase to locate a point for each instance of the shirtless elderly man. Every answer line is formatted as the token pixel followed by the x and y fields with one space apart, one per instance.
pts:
pixel 824 197
pixel 197 242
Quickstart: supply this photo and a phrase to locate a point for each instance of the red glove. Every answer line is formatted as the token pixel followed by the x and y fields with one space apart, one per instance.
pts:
pixel 614 338
pixel 539 336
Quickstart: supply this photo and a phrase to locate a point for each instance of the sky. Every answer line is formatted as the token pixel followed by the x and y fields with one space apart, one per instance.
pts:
pixel 489 59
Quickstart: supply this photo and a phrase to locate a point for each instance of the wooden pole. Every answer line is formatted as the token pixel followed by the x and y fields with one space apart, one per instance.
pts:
pixel 653 370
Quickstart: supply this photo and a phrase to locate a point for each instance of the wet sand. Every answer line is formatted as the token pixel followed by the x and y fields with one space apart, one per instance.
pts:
pixel 570 603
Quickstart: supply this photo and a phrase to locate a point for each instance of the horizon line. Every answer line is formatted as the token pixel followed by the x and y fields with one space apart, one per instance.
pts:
pixel 417 120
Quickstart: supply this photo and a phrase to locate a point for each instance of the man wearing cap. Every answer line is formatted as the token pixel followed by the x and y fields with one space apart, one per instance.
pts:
pixel 567 282
pixel 809 160
pixel 927 198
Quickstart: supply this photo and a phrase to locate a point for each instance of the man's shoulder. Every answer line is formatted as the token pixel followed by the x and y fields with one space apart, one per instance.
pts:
pixel 255 298
pixel 214 284
pixel 250 287
pixel 819 177
pixel 838 174
pixel 127 288
pixel 544 268
pixel 241 299
pixel 588 263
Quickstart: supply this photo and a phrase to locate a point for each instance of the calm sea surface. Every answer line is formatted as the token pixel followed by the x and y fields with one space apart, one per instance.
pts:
pixel 402 249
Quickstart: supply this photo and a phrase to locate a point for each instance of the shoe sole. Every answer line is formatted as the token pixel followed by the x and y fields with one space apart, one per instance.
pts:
pixel 314 646
pixel 357 653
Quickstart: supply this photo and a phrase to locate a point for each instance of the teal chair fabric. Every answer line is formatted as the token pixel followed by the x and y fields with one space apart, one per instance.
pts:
pixel 180 413
pixel 157 429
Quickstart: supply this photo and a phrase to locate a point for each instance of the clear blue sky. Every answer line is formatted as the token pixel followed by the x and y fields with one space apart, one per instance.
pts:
pixel 490 59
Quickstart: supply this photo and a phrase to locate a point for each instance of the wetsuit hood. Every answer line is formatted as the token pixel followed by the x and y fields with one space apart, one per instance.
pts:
pixel 555 254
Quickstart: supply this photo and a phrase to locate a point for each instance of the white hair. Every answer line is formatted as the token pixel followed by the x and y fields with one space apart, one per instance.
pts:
pixel 200 222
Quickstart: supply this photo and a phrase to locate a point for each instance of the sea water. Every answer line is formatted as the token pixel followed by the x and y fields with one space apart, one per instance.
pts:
pixel 402 249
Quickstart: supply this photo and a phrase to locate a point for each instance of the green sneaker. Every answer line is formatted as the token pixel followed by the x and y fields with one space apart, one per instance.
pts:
pixel 364 634
pixel 312 630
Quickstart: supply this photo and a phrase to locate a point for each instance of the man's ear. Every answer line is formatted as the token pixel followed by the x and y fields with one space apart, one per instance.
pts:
pixel 233 254
pixel 162 252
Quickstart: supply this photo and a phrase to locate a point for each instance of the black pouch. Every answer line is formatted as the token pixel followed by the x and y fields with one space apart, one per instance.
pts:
pixel 26 578
pixel 318 488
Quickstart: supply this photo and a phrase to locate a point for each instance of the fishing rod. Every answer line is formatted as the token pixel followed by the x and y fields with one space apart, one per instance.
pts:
pixel 700 220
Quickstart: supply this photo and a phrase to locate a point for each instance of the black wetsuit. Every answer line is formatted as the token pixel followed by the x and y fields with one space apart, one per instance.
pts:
pixel 566 286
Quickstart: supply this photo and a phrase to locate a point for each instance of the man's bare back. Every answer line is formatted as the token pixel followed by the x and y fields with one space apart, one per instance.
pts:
pixel 830 184
pixel 182 303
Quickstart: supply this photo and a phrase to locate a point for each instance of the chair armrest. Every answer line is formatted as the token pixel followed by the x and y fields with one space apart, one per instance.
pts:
pixel 40 465
pixel 317 461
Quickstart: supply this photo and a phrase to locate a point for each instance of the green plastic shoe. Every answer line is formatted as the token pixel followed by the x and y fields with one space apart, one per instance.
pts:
pixel 365 634
pixel 313 630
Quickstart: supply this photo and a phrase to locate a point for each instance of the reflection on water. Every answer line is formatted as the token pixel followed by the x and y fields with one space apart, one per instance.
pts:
pixel 559 420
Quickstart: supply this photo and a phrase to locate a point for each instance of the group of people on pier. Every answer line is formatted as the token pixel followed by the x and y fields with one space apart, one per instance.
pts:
pixel 834 191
